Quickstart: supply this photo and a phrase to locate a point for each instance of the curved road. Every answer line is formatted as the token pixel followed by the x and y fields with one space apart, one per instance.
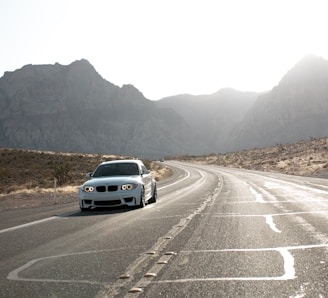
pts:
pixel 214 232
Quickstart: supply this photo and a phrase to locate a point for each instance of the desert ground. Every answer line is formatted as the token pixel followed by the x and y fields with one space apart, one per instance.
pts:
pixel 33 178
pixel 30 178
pixel 304 158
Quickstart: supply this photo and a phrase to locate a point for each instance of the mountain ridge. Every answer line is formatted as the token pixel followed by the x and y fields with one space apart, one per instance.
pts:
pixel 293 110
pixel 71 108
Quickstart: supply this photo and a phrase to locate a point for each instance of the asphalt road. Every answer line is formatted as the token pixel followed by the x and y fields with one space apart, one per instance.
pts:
pixel 214 232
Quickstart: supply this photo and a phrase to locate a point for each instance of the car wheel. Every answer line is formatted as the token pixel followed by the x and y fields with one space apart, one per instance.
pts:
pixel 153 199
pixel 142 199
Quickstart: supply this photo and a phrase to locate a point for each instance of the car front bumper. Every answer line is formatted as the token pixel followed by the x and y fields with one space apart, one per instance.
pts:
pixel 107 199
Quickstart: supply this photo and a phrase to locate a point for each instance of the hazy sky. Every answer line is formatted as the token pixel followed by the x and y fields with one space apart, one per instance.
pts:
pixel 167 47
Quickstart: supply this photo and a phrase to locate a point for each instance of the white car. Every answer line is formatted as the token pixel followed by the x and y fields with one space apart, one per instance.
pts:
pixel 118 183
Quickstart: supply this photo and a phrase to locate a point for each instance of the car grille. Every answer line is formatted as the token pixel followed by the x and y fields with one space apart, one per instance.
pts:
pixel 107 203
pixel 104 188
pixel 112 188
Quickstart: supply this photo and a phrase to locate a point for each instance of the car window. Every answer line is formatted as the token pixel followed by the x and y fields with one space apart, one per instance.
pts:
pixel 117 169
pixel 145 170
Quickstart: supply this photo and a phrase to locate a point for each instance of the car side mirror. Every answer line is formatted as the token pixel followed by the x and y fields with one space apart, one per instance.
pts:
pixel 88 175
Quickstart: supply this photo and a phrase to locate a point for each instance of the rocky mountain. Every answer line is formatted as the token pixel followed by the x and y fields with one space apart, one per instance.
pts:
pixel 212 117
pixel 73 109
pixel 294 110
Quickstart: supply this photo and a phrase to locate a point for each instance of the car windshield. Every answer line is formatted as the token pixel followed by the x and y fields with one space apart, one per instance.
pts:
pixel 117 169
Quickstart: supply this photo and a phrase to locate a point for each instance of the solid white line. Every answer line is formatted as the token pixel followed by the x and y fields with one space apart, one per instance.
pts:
pixel 300 247
pixel 282 184
pixel 28 224
pixel 184 178
pixel 261 215
pixel 54 217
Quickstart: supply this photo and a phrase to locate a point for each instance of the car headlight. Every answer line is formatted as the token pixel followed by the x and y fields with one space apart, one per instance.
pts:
pixel 129 186
pixel 88 188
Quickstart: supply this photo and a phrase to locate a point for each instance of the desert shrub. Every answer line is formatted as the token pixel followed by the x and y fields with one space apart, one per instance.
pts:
pixel 147 163
pixel 62 172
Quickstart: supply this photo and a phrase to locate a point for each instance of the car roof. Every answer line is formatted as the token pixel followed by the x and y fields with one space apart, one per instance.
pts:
pixel 137 161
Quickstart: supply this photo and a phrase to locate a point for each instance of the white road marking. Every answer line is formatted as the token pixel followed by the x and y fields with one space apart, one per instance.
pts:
pixel 269 221
pixel 268 217
pixel 261 215
pixel 289 270
pixel 275 202
pixel 163 242
pixel 28 224
pixel 284 185
pixel 54 217
pixel 37 222
pixel 184 178
pixel 288 264
pixel 288 259
pixel 258 196
pixel 14 275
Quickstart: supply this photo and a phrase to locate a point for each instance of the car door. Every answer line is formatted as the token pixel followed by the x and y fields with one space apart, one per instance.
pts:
pixel 146 178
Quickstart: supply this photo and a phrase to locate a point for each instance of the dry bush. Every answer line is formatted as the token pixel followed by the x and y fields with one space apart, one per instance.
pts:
pixel 27 177
pixel 302 158
pixel 21 170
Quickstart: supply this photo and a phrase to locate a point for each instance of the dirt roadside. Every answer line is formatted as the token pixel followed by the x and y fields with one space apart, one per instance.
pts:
pixel 36 197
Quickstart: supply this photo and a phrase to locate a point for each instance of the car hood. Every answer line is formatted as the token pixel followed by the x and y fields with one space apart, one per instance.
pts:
pixel 113 180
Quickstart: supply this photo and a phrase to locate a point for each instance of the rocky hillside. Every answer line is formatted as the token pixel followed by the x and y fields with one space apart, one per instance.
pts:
pixel 304 158
pixel 294 110
pixel 73 109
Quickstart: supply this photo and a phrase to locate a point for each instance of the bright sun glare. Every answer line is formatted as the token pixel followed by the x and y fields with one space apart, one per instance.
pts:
pixel 167 47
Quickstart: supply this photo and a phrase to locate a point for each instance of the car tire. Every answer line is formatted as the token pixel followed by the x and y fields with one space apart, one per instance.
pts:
pixel 142 199
pixel 153 199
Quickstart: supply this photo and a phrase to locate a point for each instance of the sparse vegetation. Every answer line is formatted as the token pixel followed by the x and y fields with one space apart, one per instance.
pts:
pixel 28 175
pixel 27 169
pixel 305 158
